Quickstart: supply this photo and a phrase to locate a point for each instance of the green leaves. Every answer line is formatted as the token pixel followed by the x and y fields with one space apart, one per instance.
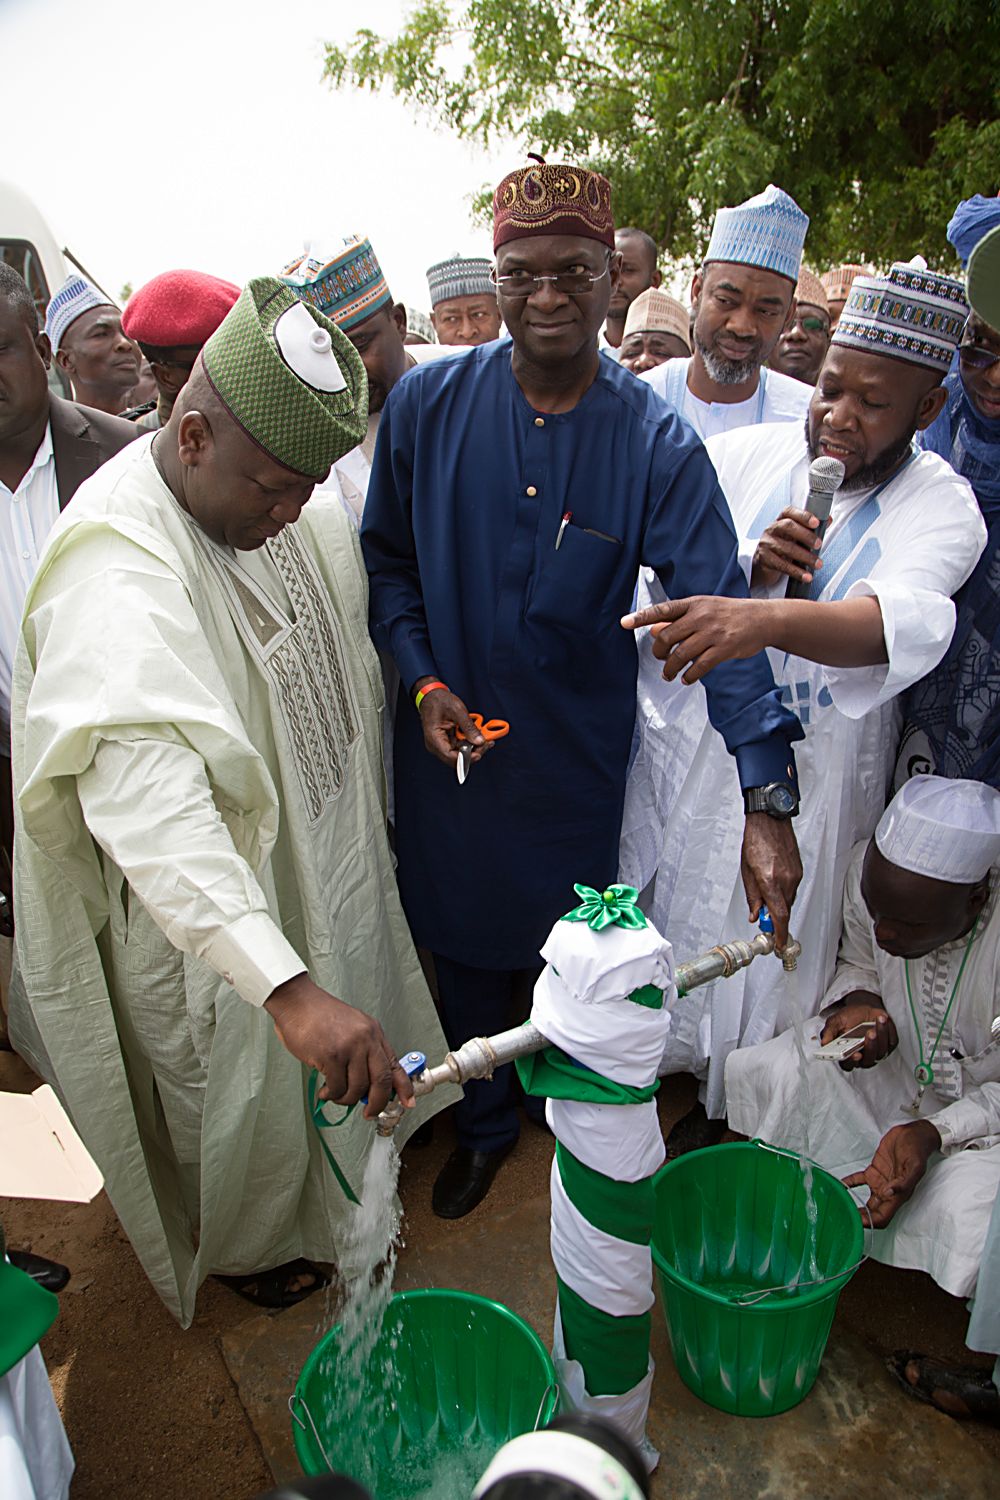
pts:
pixel 876 119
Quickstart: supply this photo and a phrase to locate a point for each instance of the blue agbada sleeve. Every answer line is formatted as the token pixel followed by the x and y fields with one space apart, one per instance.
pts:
pixel 397 618
pixel 690 542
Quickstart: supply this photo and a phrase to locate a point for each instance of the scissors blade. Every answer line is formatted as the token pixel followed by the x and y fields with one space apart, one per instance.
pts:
pixel 464 762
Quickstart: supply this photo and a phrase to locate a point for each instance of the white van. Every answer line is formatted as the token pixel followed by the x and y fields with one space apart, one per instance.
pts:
pixel 28 244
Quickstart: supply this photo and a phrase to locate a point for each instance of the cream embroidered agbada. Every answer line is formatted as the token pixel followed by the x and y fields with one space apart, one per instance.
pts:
pixel 196 747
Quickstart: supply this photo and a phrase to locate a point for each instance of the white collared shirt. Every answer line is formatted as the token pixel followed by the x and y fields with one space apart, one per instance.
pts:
pixel 27 515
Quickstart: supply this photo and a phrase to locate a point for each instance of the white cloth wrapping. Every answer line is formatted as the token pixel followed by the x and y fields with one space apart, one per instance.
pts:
pixel 27 515
pixel 585 1010
pixel 35 1458
pixel 169 697
pixel 683 817
pixel 942 1229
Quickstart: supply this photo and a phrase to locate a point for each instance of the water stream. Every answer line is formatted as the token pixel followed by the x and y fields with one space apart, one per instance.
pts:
pixel 809 1267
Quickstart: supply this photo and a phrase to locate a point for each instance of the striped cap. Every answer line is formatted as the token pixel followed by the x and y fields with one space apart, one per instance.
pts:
pixel 289 377
pixel 911 314
pixel 460 277
pixel 347 286
pixel 655 311
pixel 837 282
pixel 76 296
pixel 767 231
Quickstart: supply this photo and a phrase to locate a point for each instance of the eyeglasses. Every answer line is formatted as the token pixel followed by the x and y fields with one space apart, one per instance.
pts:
pixel 975 358
pixel 812 325
pixel 520 284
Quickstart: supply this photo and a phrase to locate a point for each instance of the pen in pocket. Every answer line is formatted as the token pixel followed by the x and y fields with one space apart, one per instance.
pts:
pixel 562 528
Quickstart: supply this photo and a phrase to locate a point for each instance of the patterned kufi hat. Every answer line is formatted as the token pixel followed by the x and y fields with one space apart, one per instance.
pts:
pixel 460 277
pixel 973 218
pixel 984 279
pixel 655 311
pixel 178 309
pixel 943 828
pixel 289 378
pixel 767 231
pixel 420 326
pixel 837 281
pixel 76 296
pixel 543 199
pixel 347 286
pixel 911 314
pixel 810 289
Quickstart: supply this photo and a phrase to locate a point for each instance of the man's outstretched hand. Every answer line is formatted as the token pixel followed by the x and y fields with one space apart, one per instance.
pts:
pixel 347 1046
pixel 771 869
pixel 702 632
pixel 897 1167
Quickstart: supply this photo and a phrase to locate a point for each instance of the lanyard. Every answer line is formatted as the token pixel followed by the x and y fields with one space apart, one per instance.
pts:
pixel 924 1072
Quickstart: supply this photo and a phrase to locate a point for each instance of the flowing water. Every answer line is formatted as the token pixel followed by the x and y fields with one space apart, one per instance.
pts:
pixel 360 1428
pixel 809 1267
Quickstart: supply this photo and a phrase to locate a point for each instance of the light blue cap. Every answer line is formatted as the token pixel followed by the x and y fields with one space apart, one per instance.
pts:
pixel 77 295
pixel 768 231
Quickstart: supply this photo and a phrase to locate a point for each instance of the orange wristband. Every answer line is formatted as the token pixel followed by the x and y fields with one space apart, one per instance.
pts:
pixel 429 687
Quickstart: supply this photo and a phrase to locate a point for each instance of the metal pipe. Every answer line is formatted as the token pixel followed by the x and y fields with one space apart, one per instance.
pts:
pixel 482 1055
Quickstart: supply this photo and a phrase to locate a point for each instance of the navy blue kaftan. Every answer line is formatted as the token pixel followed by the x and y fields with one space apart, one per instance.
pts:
pixel 467 491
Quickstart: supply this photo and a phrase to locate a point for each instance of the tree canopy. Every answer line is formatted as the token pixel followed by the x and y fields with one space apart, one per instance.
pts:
pixel 877 118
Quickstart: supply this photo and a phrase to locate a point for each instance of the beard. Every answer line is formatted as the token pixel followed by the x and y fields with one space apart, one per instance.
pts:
pixel 726 371
pixel 880 467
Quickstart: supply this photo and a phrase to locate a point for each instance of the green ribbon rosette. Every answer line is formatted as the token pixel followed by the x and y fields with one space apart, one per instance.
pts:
pixel 599 909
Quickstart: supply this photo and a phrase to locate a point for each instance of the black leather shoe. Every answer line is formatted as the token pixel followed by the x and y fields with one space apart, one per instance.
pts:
pixel 693 1132
pixel 465 1179
pixel 48 1273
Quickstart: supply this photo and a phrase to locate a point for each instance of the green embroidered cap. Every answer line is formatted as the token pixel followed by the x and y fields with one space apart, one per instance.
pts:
pixel 289 378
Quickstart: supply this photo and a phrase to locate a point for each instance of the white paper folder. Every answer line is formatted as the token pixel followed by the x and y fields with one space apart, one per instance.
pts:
pixel 41 1155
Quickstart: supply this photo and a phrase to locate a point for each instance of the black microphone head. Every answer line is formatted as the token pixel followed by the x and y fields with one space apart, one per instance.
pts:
pixel 826 474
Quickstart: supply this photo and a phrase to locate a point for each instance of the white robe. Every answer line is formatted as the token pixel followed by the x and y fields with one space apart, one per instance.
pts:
pixel 911 547
pixel 841 1117
pixel 198 772
pixel 35 1458
pixel 778 398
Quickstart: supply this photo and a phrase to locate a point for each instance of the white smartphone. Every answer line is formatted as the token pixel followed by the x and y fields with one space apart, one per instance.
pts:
pixel 843 1046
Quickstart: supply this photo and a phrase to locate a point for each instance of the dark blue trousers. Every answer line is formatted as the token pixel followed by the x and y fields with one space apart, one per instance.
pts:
pixel 481 1002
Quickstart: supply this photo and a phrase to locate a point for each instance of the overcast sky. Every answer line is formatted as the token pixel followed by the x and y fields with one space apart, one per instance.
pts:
pixel 199 133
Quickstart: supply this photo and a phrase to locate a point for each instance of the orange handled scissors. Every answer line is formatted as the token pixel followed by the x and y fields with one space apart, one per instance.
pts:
pixel 492 729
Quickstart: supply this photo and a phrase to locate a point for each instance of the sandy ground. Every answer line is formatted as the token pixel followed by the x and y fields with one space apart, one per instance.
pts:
pixel 151 1410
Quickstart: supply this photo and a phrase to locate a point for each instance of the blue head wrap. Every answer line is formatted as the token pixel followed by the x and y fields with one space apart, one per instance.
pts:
pixel 973 218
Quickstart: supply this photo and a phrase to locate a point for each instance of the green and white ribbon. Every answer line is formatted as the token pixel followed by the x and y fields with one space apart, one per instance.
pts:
pixel 600 1077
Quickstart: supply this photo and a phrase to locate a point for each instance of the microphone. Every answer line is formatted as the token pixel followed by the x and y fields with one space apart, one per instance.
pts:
pixel 826 475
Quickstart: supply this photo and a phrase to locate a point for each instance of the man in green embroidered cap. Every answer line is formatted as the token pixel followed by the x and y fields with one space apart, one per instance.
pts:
pixel 206 903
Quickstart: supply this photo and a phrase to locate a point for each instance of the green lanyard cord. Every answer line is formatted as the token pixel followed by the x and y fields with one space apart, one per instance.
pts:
pixel 924 1072
pixel 316 1107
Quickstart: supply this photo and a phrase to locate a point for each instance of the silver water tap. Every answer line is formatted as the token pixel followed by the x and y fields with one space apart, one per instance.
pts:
pixel 482 1055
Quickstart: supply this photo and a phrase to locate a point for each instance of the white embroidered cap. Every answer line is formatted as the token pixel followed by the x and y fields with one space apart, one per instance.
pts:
pixel 947 830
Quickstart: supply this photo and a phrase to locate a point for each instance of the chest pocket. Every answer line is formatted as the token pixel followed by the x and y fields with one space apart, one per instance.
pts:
pixel 577 589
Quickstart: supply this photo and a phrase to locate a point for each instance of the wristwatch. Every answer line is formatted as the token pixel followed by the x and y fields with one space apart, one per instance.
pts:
pixel 778 799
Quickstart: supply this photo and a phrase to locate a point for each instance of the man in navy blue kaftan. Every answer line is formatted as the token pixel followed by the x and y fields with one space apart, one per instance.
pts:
pixel 515 491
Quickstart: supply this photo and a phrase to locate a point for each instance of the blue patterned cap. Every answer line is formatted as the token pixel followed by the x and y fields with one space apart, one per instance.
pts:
pixel 76 296
pixel 347 286
pixel 768 231
pixel 911 314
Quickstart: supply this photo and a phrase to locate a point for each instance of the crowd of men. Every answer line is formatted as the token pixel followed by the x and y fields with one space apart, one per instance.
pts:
pixel 246 624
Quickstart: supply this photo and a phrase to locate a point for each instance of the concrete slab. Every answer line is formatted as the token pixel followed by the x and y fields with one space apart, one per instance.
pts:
pixel 855 1431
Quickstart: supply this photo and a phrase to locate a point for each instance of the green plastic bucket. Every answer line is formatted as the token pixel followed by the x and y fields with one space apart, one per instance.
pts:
pixel 451 1378
pixel 730 1237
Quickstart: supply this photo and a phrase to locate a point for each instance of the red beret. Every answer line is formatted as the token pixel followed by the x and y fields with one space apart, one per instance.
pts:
pixel 178 309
